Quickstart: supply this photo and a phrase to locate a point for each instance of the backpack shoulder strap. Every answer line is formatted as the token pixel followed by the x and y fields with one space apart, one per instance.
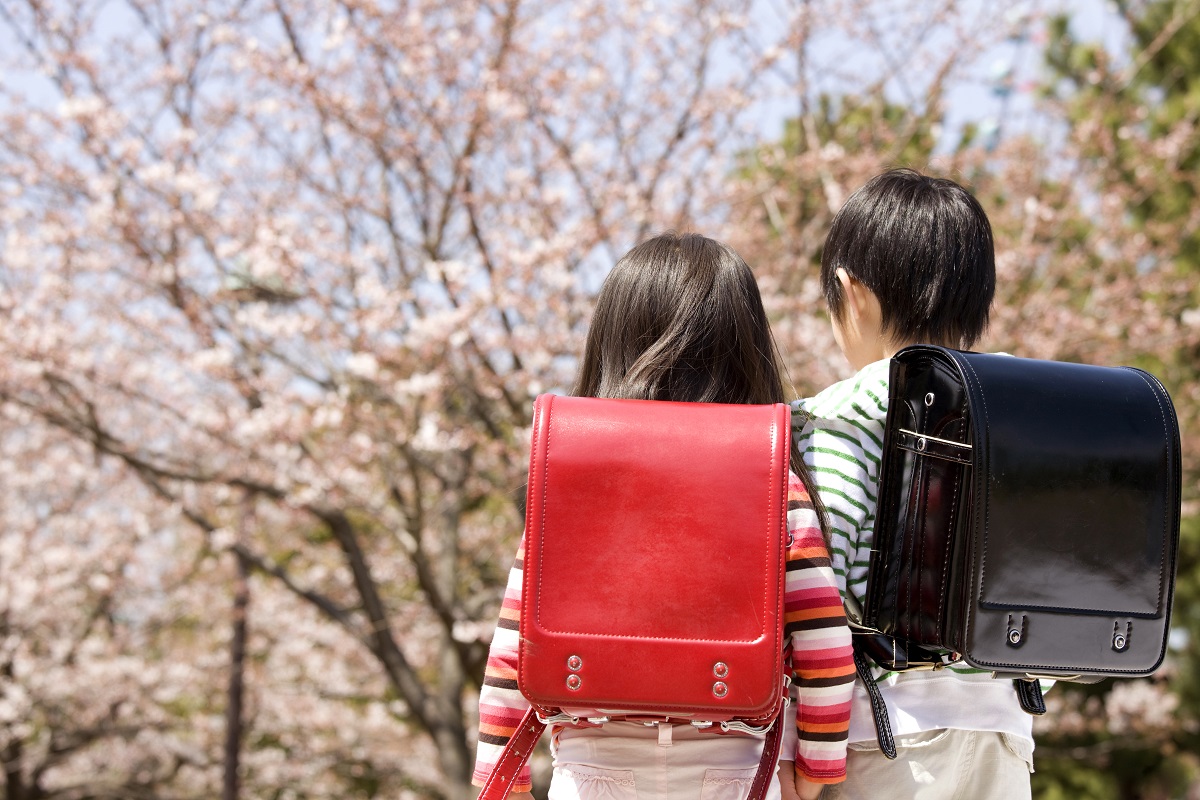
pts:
pixel 515 754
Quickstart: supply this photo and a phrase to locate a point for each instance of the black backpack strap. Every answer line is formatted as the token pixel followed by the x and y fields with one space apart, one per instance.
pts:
pixel 1029 692
pixel 883 725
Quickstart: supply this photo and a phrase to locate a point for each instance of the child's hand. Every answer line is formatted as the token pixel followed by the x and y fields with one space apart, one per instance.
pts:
pixel 787 780
pixel 806 789
pixel 794 786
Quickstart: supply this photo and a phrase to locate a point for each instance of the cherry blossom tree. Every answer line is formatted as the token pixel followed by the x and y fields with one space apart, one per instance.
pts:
pixel 280 279
pixel 80 707
pixel 284 277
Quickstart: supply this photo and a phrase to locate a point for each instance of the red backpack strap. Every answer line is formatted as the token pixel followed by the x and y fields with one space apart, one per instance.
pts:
pixel 769 762
pixel 515 754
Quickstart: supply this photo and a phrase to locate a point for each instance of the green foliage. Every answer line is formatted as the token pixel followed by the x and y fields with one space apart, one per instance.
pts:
pixel 1115 770
pixel 361 778
pixel 1149 102
pixel 1187 599
pixel 1057 779
pixel 864 124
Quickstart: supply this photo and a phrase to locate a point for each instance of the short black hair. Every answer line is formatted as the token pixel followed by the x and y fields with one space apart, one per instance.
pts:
pixel 924 247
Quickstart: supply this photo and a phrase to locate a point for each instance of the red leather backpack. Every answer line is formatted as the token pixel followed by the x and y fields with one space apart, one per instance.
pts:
pixel 655 538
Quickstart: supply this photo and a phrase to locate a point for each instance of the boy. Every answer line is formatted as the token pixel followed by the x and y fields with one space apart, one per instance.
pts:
pixel 909 259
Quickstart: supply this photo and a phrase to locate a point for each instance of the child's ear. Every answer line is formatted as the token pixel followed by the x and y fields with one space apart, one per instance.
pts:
pixel 862 311
pixel 855 294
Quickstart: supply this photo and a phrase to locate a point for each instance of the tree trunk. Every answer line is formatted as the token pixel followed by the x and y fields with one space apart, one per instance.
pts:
pixel 454 759
pixel 237 669
pixel 11 755
pixel 14 785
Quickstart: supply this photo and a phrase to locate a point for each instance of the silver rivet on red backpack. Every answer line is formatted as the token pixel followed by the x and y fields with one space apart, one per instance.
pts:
pixel 720 689
pixel 574 682
pixel 574 663
pixel 720 669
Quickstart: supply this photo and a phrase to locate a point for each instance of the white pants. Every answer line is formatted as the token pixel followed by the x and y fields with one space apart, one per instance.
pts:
pixel 630 761
pixel 948 764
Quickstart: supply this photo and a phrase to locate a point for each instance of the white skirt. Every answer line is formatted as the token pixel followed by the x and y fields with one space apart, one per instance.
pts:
pixel 632 761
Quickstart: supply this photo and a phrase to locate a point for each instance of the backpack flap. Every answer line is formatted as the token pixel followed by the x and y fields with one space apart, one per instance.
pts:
pixel 654 554
pixel 1074 517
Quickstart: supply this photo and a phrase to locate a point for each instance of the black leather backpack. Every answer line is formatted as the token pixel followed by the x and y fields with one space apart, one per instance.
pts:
pixel 1027 523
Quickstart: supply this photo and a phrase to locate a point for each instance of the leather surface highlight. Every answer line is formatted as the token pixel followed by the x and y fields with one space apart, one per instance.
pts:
pixel 1084 451
pixel 910 577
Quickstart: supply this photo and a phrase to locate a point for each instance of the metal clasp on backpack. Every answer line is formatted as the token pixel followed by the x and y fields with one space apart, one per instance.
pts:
pixel 560 718
pixel 946 659
pixel 741 727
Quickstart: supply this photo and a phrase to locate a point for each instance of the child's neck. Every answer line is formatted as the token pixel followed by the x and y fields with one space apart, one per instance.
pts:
pixel 891 348
pixel 887 348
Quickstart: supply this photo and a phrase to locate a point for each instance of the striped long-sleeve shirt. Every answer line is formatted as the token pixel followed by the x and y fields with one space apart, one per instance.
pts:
pixel 840 434
pixel 821 659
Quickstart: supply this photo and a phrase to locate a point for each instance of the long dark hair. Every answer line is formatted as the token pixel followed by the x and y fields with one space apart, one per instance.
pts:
pixel 680 318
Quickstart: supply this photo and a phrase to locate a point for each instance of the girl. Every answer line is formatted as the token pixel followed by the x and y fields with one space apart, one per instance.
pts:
pixel 680 318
